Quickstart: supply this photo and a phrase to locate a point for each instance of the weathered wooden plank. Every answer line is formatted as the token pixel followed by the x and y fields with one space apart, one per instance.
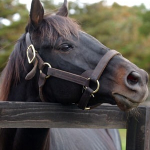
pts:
pixel 138 131
pixel 47 115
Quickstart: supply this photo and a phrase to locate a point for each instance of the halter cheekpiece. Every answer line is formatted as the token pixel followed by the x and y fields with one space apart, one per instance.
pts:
pixel 34 57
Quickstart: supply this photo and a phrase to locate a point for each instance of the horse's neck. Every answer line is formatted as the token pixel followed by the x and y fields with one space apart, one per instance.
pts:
pixel 25 91
pixel 31 139
pixel 24 139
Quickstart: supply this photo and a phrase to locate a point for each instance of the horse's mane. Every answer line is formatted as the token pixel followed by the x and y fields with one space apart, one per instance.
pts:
pixel 11 73
pixel 53 27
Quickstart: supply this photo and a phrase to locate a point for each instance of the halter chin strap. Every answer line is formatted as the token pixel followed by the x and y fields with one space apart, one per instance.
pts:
pixel 34 57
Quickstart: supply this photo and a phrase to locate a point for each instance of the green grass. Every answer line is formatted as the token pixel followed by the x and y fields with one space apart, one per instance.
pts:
pixel 123 138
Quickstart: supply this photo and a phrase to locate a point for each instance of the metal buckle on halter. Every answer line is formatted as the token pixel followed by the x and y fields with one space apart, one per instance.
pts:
pixel 92 94
pixel 48 66
pixel 33 52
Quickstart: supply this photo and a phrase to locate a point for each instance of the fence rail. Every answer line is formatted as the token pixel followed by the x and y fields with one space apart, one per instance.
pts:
pixel 47 115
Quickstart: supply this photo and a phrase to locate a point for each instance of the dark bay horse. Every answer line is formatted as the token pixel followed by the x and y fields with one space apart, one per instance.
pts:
pixel 55 61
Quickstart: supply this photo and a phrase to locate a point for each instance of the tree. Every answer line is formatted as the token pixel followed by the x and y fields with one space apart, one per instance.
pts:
pixel 10 33
pixel 145 27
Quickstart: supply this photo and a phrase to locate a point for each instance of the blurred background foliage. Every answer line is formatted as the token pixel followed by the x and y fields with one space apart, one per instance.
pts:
pixel 126 29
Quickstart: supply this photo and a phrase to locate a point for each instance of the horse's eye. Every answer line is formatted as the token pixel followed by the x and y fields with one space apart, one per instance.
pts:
pixel 65 47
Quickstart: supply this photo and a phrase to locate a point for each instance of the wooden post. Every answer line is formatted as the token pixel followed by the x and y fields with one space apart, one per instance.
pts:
pixel 138 131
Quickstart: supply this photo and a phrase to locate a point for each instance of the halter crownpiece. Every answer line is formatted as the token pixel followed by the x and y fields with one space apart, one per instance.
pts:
pixel 34 57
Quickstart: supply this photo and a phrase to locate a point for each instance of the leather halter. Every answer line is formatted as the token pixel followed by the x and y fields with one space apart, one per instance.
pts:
pixel 34 57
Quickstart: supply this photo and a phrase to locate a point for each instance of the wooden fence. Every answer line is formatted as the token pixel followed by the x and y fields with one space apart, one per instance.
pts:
pixel 46 115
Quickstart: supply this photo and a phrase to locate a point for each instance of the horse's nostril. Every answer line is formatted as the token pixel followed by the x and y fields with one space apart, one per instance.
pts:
pixel 133 78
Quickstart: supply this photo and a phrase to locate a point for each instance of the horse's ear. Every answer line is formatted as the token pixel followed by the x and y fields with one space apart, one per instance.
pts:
pixel 36 13
pixel 63 11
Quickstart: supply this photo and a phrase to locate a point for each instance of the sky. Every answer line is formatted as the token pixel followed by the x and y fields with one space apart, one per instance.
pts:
pixel 109 2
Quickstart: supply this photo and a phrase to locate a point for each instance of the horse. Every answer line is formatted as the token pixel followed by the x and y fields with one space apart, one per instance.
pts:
pixel 55 61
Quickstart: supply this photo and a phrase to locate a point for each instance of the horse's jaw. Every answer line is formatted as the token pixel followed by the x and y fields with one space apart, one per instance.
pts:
pixel 124 103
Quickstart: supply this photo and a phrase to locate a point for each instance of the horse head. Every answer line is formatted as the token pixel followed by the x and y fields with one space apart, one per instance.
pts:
pixel 61 44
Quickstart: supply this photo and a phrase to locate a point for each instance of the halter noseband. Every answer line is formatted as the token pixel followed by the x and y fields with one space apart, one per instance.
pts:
pixel 34 57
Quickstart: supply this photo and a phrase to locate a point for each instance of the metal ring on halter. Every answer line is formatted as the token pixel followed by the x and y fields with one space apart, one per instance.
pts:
pixel 87 108
pixel 98 86
pixel 48 66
